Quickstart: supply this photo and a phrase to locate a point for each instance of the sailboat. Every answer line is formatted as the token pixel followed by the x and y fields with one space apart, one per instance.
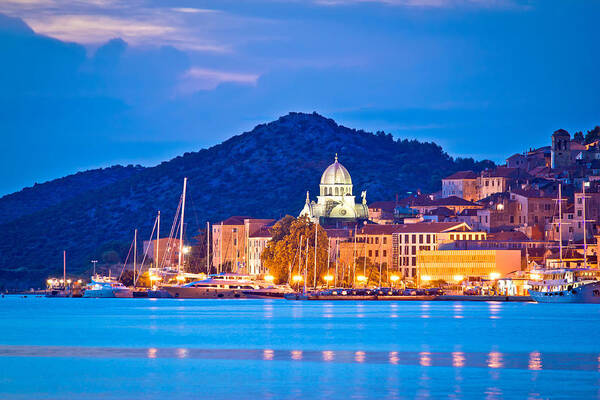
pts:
pixel 564 284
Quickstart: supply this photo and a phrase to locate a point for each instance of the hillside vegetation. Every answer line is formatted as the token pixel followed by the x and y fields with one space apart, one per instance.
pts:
pixel 263 173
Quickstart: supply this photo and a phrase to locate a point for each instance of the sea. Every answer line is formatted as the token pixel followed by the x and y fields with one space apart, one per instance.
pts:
pixel 57 348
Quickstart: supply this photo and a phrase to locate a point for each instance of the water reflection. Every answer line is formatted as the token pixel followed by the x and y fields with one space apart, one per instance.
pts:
pixel 182 353
pixel 393 357
pixel 458 310
pixel 535 361
pixel 268 355
pixel 494 308
pixel 359 356
pixel 268 310
pixel 425 310
pixel 328 355
pixel 425 359
pixel 458 359
pixel 152 352
pixel 494 360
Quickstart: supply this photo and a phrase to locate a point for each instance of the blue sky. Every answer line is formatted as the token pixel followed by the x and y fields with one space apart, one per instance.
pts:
pixel 91 83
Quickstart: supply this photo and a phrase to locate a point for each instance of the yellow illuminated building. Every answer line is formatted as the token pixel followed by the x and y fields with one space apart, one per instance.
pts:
pixel 455 265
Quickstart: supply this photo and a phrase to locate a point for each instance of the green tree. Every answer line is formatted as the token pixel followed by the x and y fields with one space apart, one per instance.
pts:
pixel 292 250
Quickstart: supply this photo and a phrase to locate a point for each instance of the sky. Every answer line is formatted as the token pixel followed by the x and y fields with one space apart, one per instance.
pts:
pixel 92 83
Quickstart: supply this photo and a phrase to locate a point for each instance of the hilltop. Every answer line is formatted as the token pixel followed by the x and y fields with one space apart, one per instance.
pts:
pixel 263 173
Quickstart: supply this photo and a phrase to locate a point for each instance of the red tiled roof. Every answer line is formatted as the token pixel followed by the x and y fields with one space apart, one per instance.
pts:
pixel 463 175
pixel 383 205
pixel 508 237
pixel 420 227
pixel 235 220
pixel 443 202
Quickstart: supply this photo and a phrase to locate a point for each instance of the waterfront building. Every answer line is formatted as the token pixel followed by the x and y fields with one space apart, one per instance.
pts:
pixel 397 245
pixel 499 180
pixel 168 251
pixel 461 184
pixel 230 242
pixel 452 266
pixel 336 202
pixel 257 241
pixel 535 208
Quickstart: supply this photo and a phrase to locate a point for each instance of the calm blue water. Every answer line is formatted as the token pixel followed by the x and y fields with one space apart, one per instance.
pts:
pixel 274 349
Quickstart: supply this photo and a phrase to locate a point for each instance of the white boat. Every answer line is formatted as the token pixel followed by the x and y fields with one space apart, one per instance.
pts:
pixel 106 287
pixel 566 285
pixel 228 286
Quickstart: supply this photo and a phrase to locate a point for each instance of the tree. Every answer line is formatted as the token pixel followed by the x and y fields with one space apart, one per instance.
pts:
pixel 578 137
pixel 292 250
pixel 592 135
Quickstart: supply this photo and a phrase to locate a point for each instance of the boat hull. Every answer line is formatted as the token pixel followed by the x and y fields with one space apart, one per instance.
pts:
pixel 203 293
pixel 108 293
pixel 589 293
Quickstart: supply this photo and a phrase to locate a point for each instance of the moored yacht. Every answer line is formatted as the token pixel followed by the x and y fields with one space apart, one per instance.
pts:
pixel 566 285
pixel 106 287
pixel 228 286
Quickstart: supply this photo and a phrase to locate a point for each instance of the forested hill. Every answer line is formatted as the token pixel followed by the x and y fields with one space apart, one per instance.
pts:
pixel 263 173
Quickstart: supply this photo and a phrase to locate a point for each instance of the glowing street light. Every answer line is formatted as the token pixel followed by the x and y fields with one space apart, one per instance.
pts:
pixel 180 278
pixel 362 279
pixel 425 278
pixel 494 276
pixel 458 278
pixel 328 279
pixel 154 278
pixel 186 249
pixel 394 279
pixel 297 278
pixel 269 278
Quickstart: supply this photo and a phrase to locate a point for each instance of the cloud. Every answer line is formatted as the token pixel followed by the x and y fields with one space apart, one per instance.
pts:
pixel 428 3
pixel 196 79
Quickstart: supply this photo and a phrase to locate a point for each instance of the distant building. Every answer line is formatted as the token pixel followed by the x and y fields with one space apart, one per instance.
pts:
pixel 454 265
pixel 561 151
pixel 230 243
pixel 336 202
pixel 168 251
pixel 461 184
pixel 453 203
pixel 257 241
pixel 382 212
pixel 396 246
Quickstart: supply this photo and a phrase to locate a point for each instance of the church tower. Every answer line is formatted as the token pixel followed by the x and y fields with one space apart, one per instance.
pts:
pixel 561 149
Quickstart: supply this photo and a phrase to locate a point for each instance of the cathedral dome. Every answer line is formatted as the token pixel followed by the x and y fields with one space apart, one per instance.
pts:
pixel 336 174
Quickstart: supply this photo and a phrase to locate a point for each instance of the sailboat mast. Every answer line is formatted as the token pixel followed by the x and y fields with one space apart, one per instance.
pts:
pixel 207 247
pixel 584 230
pixel 315 272
pixel 134 255
pixel 65 269
pixel 337 244
pixel 220 248
pixel 560 224
pixel 157 239
pixel 306 266
pixel 182 225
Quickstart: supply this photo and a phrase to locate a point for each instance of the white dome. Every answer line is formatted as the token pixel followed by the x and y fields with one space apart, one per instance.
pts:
pixel 336 174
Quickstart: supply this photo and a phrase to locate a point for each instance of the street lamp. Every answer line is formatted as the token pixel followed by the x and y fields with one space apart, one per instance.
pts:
pixel 297 279
pixel 394 279
pixel 494 276
pixel 458 278
pixel 362 279
pixel 269 278
pixel 328 278
pixel 94 262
